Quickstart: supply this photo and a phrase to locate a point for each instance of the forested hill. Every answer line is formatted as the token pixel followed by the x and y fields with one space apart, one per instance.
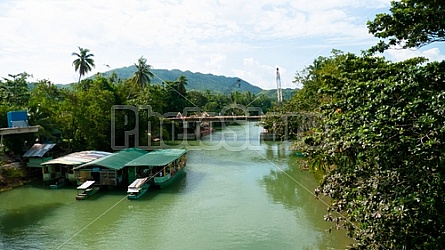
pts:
pixel 197 81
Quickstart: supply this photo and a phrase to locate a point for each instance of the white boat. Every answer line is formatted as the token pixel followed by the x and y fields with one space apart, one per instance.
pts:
pixel 138 188
pixel 86 190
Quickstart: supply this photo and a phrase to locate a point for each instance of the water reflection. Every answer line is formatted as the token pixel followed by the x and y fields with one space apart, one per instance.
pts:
pixel 15 220
pixel 288 185
pixel 282 189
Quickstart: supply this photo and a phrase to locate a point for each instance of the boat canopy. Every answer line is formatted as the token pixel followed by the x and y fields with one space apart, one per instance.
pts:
pixel 86 185
pixel 115 161
pixel 138 183
pixel 77 158
pixel 156 158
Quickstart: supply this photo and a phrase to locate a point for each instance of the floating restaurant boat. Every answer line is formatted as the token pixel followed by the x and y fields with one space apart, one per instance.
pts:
pixel 138 188
pixel 110 170
pixel 57 172
pixel 86 190
pixel 162 167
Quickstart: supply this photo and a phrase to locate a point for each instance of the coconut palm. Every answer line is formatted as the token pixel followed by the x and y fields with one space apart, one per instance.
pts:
pixel 84 61
pixel 143 74
pixel 180 83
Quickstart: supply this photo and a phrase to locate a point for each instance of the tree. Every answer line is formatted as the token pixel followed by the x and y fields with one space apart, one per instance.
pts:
pixel 180 83
pixel 215 102
pixel 84 61
pixel 411 23
pixel 14 91
pixel 143 73
pixel 380 147
pixel 43 106
pixel 176 98
pixel 85 115
pixel 198 98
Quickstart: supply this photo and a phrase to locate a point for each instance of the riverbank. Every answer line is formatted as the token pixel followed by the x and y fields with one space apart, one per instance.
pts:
pixel 11 186
pixel 12 174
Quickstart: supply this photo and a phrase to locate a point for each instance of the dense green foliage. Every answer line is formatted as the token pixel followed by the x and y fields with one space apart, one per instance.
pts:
pixel 81 116
pixel 375 130
pixel 411 23
pixel 272 93
pixel 14 90
pixel 381 146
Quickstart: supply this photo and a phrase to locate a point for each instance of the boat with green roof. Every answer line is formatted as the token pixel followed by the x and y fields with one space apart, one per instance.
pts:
pixel 108 172
pixel 161 167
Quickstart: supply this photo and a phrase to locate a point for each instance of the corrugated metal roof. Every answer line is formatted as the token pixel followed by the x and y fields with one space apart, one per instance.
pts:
pixel 160 157
pixel 116 160
pixel 77 158
pixel 38 150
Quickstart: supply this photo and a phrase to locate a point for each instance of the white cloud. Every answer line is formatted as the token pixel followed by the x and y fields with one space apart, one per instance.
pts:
pixel 226 37
pixel 433 54
pixel 215 61
pixel 262 75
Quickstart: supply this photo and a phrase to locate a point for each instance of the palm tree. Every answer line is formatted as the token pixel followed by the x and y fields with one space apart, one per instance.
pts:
pixel 84 62
pixel 180 84
pixel 143 74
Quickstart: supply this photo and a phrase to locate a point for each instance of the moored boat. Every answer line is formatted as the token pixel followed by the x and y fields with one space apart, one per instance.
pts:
pixel 58 183
pixel 86 190
pixel 56 169
pixel 138 188
pixel 163 167
pixel 300 154
pixel 169 178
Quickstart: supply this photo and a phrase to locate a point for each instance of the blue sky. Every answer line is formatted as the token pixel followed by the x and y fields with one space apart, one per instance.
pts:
pixel 245 39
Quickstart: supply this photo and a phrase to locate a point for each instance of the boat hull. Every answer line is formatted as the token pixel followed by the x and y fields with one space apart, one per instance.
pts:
pixel 167 182
pixel 57 185
pixel 138 195
pixel 86 194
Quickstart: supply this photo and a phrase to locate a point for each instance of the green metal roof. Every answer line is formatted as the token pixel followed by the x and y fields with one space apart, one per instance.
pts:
pixel 160 157
pixel 116 160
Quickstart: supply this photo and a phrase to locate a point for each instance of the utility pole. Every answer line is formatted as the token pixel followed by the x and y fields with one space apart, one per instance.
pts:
pixel 279 91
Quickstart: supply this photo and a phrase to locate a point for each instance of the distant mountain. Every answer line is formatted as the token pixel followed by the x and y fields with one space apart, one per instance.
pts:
pixel 196 81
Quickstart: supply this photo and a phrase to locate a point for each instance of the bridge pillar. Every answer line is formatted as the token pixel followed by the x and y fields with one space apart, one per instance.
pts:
pixel 173 131
pixel 198 130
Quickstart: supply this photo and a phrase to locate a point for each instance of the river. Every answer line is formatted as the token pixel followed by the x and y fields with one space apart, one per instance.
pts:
pixel 238 193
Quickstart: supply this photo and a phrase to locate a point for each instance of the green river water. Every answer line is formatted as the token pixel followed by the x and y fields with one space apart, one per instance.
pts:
pixel 238 193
